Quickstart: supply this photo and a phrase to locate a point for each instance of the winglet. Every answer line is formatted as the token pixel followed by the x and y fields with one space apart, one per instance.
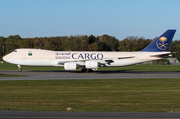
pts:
pixel 162 43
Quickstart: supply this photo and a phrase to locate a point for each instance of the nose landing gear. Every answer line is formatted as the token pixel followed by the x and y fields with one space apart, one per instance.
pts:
pixel 19 68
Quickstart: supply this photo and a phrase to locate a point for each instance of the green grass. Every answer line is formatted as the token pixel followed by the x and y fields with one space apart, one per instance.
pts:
pixel 164 68
pixel 7 66
pixel 119 95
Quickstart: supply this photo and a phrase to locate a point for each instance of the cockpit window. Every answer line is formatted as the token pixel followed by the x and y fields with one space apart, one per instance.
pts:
pixel 15 51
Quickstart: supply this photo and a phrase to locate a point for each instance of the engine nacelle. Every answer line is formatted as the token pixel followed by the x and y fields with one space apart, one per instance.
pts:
pixel 91 64
pixel 70 66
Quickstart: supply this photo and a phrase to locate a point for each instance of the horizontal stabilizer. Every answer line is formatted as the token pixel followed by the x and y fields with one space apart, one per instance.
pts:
pixel 163 55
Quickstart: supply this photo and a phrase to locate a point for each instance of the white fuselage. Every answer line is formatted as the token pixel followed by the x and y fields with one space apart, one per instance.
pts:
pixel 39 57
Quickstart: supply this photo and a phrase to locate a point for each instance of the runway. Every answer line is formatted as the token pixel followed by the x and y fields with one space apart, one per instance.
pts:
pixel 84 115
pixel 46 75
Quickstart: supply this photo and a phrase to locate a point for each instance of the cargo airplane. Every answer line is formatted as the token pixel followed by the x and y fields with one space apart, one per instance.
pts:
pixel 91 60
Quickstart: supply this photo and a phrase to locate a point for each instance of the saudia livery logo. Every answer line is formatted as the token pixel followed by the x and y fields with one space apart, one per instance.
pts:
pixel 78 55
pixel 161 43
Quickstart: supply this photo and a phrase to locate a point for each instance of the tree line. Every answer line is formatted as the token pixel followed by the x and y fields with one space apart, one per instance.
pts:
pixel 80 43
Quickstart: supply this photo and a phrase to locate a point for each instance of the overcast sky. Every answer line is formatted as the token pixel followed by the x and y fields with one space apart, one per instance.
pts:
pixel 118 18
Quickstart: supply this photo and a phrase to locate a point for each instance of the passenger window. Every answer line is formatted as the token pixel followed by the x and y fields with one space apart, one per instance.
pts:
pixel 15 51
pixel 29 54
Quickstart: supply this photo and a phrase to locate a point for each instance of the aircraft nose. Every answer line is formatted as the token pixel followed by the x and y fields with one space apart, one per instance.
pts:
pixel 5 58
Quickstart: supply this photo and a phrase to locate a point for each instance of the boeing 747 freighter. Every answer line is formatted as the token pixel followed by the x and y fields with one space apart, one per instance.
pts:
pixel 71 60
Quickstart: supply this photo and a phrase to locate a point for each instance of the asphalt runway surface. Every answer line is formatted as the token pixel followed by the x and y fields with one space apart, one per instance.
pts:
pixel 84 115
pixel 47 75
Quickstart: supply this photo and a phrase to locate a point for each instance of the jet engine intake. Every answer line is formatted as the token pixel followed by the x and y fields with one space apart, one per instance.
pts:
pixel 70 66
pixel 91 64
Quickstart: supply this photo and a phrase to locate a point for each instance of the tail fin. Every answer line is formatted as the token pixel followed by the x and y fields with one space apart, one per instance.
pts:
pixel 162 43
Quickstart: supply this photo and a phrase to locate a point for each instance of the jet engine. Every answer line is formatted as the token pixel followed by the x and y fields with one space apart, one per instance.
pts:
pixel 70 66
pixel 91 64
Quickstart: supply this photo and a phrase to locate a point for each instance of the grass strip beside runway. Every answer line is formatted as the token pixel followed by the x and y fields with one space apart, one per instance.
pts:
pixel 117 95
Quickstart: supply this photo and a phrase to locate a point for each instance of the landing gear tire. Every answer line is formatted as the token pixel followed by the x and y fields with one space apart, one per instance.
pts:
pixel 90 70
pixel 83 70
pixel 20 70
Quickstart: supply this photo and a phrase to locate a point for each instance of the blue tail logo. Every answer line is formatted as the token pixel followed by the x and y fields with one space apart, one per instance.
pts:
pixel 162 43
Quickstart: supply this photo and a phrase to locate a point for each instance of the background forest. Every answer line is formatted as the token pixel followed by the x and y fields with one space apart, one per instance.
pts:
pixel 80 43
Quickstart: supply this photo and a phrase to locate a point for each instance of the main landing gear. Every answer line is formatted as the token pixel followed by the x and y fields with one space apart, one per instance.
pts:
pixel 19 68
pixel 86 70
pixel 83 70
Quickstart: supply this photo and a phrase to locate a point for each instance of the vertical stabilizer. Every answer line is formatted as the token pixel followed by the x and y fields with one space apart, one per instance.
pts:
pixel 162 43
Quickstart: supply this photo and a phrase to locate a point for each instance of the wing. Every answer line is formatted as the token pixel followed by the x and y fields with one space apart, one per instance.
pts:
pixel 101 62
